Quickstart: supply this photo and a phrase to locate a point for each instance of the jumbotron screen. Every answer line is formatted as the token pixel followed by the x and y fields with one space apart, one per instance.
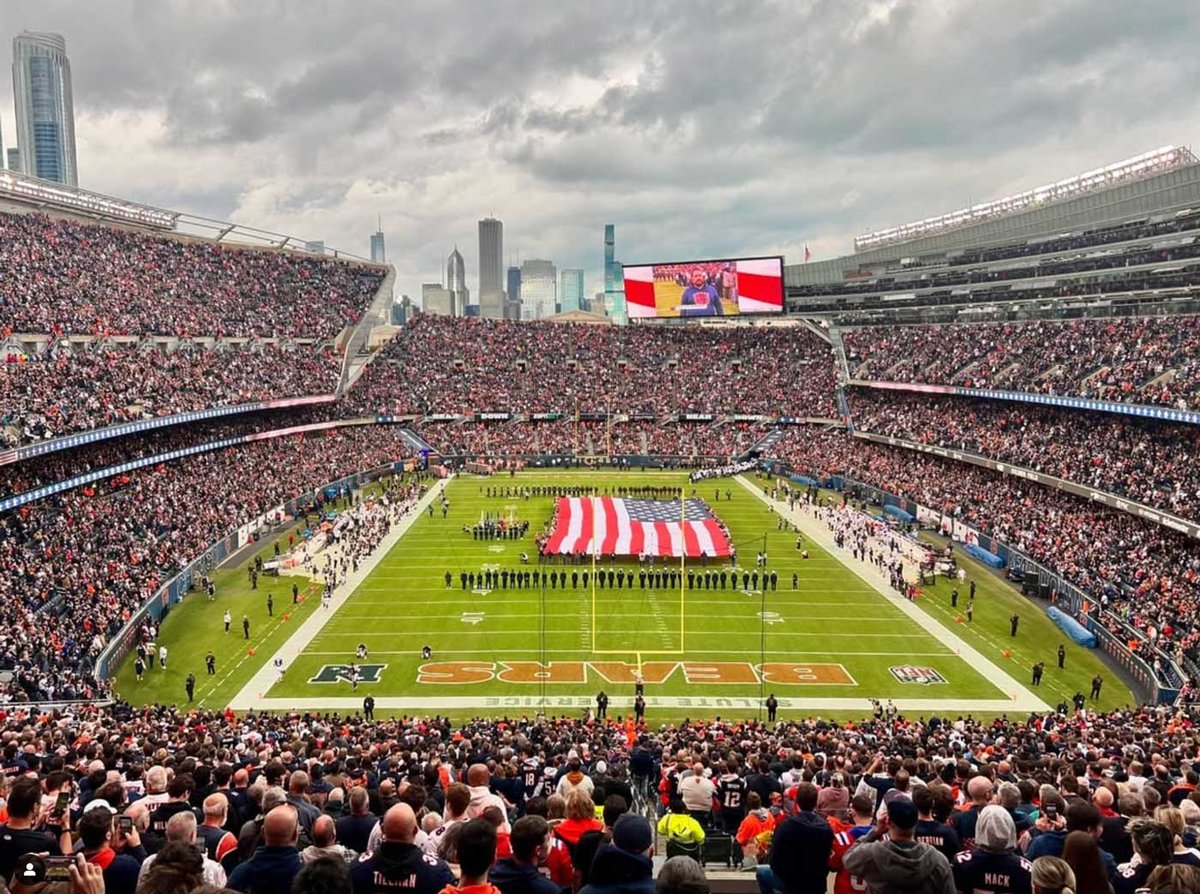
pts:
pixel 705 288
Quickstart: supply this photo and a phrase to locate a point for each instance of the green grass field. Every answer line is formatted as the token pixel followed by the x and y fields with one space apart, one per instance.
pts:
pixel 822 647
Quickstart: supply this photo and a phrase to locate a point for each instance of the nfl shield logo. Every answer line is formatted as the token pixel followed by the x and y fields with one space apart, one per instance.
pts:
pixel 910 673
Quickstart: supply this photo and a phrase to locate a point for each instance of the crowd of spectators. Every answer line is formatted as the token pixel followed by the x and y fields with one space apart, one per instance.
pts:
pixel 592 438
pixel 1153 360
pixel 467 365
pixel 1146 573
pixel 63 276
pixel 61 465
pixel 959 275
pixel 70 389
pixel 338 803
pixel 1142 460
pixel 75 567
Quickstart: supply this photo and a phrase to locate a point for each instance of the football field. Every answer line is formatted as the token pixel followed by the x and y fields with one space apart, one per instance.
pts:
pixel 827 644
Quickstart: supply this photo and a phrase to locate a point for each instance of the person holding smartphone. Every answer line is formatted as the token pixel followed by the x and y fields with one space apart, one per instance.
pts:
pixel 28 830
pixel 117 851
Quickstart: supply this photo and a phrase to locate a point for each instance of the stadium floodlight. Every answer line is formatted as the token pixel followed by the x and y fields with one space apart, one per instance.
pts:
pixel 70 198
pixel 1147 164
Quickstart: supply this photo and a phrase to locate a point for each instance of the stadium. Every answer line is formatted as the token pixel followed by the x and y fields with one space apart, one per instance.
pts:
pixel 927 510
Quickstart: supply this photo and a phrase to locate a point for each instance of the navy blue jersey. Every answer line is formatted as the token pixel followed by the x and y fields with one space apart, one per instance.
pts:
pixel 985 872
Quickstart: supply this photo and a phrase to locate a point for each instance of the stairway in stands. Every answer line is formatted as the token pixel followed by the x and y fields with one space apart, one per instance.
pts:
pixel 762 447
pixel 419 445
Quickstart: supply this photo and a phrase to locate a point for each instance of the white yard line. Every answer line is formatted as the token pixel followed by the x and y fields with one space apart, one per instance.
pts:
pixel 1020 697
pixel 435 704
pixel 251 695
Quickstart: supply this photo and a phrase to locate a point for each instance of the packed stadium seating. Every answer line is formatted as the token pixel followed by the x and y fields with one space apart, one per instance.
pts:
pixel 61 392
pixel 444 365
pixel 1153 360
pixel 73 570
pixel 998 791
pixel 1148 574
pixel 1139 459
pixel 63 277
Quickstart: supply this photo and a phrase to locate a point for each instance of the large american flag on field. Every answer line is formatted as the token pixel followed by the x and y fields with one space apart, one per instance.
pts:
pixel 612 526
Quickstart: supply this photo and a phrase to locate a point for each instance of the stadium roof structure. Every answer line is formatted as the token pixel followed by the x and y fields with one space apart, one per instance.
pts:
pixel 47 195
pixel 1147 164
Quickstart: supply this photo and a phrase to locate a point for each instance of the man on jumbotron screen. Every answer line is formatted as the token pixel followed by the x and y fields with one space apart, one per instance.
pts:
pixel 700 298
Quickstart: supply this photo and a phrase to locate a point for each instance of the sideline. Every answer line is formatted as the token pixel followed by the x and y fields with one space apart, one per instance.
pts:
pixel 1021 699
pixel 252 694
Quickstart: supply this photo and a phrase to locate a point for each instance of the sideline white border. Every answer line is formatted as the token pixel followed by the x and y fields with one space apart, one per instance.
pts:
pixel 1021 699
pixel 252 694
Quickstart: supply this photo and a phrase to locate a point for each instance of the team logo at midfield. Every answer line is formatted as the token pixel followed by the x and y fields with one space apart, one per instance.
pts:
pixel 910 673
pixel 333 673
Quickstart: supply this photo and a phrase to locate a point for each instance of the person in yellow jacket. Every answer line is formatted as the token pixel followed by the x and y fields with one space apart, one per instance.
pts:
pixel 680 826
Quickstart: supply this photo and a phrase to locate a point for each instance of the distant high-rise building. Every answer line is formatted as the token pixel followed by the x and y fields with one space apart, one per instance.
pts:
pixel 570 291
pixel 378 251
pixel 14 159
pixel 539 289
pixel 614 277
pixel 491 268
pixel 44 106
pixel 402 311
pixel 456 282
pixel 512 302
pixel 436 299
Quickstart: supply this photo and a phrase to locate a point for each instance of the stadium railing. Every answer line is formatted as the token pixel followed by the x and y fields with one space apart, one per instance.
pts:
pixel 15 501
pixel 69 442
pixel 174 590
pixel 1104 498
pixel 1147 411
pixel 1162 689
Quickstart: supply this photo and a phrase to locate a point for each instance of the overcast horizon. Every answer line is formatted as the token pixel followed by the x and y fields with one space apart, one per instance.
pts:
pixel 701 129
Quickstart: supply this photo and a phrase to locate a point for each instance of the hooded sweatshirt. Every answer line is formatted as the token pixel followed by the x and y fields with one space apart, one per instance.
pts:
pixel 619 872
pixel 271 869
pixel 397 862
pixel 892 867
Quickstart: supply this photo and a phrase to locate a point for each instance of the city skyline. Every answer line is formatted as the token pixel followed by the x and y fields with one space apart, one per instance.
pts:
pixel 312 125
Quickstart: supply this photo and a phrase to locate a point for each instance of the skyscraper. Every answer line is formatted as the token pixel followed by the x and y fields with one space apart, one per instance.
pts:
pixel 491 268
pixel 44 106
pixel 378 252
pixel 614 278
pixel 436 299
pixel 512 305
pixel 570 291
pixel 456 282
pixel 539 289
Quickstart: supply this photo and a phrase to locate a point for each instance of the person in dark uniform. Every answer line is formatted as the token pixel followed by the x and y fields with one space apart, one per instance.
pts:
pixel 139 668
pixel 369 707
pixel 772 707
pixel 449 579
pixel 190 685
pixel 1013 622
pixel 210 664
pixel 1062 656
pixel 1097 682
pixel 972 591
pixel 462 578
pixel 246 626
pixel 795 581
pixel 426 652
pixel 574 580
pixel 954 598
pixel 774 580
pixel 1078 700
pixel 601 705
pixel 295 594
pixel 1038 670
pixel 639 709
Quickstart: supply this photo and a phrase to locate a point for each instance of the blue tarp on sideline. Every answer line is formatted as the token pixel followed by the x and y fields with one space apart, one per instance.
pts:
pixel 1072 628
pixel 897 512
pixel 803 479
pixel 984 556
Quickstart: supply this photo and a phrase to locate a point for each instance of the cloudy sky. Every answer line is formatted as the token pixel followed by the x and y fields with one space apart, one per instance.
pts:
pixel 701 128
